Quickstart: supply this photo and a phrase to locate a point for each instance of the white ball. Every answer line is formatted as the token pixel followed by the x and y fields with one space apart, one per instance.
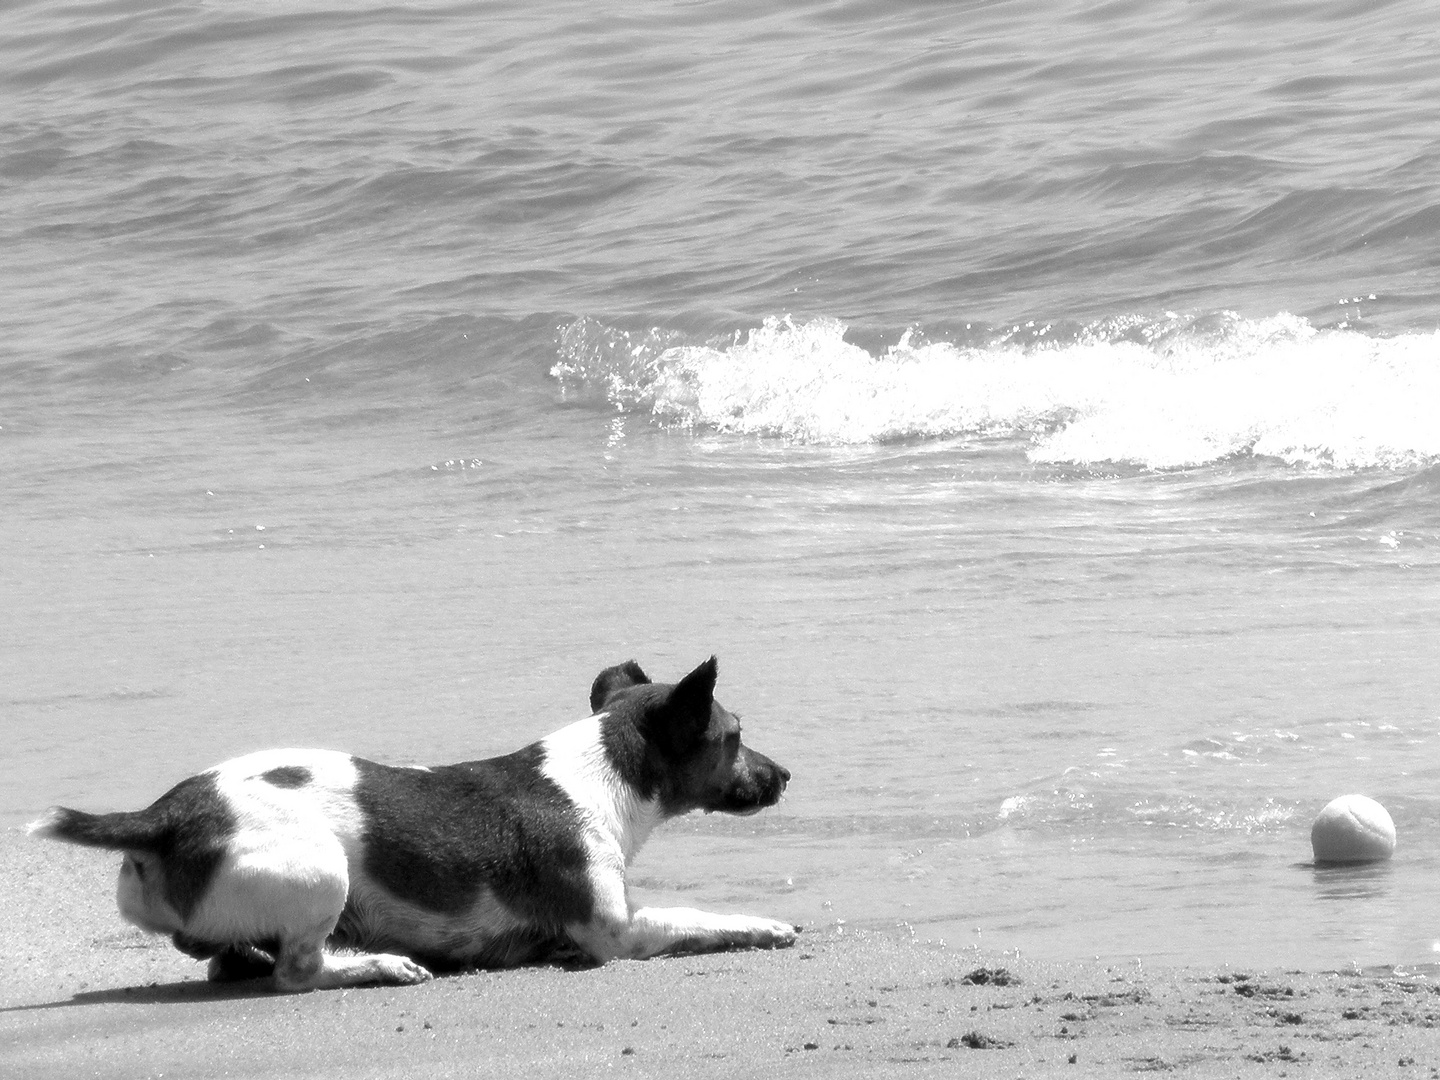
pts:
pixel 1353 828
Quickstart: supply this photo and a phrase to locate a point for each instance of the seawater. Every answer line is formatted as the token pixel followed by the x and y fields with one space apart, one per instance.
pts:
pixel 1031 403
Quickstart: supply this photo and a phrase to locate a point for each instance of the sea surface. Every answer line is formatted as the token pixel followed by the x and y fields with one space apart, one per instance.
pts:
pixel 1034 404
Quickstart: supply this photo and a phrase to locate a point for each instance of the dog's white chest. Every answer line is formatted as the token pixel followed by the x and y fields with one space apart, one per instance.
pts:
pixel 616 819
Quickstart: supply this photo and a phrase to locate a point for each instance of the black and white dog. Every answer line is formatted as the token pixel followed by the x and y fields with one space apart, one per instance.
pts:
pixel 267 862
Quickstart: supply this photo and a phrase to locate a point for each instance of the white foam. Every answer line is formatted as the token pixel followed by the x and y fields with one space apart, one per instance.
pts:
pixel 1274 388
pixel 1161 393
pixel 805 381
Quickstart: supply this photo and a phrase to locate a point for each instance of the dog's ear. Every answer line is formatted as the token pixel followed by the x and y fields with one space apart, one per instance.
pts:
pixel 612 679
pixel 694 693
pixel 678 721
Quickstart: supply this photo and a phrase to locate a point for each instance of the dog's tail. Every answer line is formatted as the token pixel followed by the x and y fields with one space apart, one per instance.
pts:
pixel 140 830
pixel 192 812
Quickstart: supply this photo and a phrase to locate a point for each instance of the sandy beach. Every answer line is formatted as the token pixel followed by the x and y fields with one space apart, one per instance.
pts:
pixel 86 995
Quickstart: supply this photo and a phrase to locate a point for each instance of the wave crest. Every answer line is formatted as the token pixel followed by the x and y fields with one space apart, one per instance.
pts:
pixel 1166 392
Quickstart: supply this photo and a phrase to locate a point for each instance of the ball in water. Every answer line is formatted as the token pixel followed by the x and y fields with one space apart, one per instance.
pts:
pixel 1353 828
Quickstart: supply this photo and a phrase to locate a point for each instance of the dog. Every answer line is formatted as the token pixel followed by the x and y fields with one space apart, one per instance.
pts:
pixel 267 864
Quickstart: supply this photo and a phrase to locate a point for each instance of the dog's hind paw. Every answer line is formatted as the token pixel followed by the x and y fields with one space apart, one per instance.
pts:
pixel 400 970
pixel 237 963
pixel 361 969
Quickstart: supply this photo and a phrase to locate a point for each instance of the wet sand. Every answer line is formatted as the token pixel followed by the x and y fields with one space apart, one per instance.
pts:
pixel 85 995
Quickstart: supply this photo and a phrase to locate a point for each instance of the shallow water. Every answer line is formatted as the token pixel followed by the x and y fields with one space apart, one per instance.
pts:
pixel 999 391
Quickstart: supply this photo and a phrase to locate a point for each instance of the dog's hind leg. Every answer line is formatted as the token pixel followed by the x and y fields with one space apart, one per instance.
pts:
pixel 237 963
pixel 282 892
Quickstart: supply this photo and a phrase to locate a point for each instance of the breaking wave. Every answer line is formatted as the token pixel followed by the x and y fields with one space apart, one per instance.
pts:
pixel 1163 392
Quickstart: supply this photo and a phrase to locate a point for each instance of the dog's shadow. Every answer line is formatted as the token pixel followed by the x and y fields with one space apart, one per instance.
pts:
pixel 199 990
pixel 176 993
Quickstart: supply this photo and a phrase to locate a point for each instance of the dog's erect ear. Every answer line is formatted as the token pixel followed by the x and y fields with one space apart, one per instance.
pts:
pixel 615 678
pixel 678 721
pixel 694 693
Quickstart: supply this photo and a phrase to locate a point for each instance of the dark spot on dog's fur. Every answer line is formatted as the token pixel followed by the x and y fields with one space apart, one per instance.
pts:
pixel 433 836
pixel 287 776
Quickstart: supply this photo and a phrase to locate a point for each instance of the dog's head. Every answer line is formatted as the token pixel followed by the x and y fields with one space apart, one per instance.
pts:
pixel 688 750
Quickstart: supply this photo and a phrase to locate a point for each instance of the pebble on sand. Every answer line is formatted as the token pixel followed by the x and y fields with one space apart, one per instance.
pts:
pixel 1353 828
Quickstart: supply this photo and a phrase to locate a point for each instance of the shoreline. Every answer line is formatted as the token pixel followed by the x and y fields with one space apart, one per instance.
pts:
pixel 86 995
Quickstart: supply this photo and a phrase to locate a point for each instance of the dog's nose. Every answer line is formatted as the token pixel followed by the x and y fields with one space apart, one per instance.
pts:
pixel 784 774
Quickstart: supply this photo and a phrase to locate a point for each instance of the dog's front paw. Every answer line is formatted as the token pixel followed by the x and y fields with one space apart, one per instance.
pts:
pixel 771 934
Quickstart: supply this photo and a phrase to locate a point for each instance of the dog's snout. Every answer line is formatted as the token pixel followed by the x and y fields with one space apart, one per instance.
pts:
pixel 754 782
pixel 777 781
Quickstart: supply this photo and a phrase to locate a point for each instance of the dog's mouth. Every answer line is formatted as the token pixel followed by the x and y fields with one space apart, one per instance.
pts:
pixel 747 799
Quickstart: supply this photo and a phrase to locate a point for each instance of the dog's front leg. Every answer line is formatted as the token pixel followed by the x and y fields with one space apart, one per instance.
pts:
pixel 682 930
pixel 619 931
